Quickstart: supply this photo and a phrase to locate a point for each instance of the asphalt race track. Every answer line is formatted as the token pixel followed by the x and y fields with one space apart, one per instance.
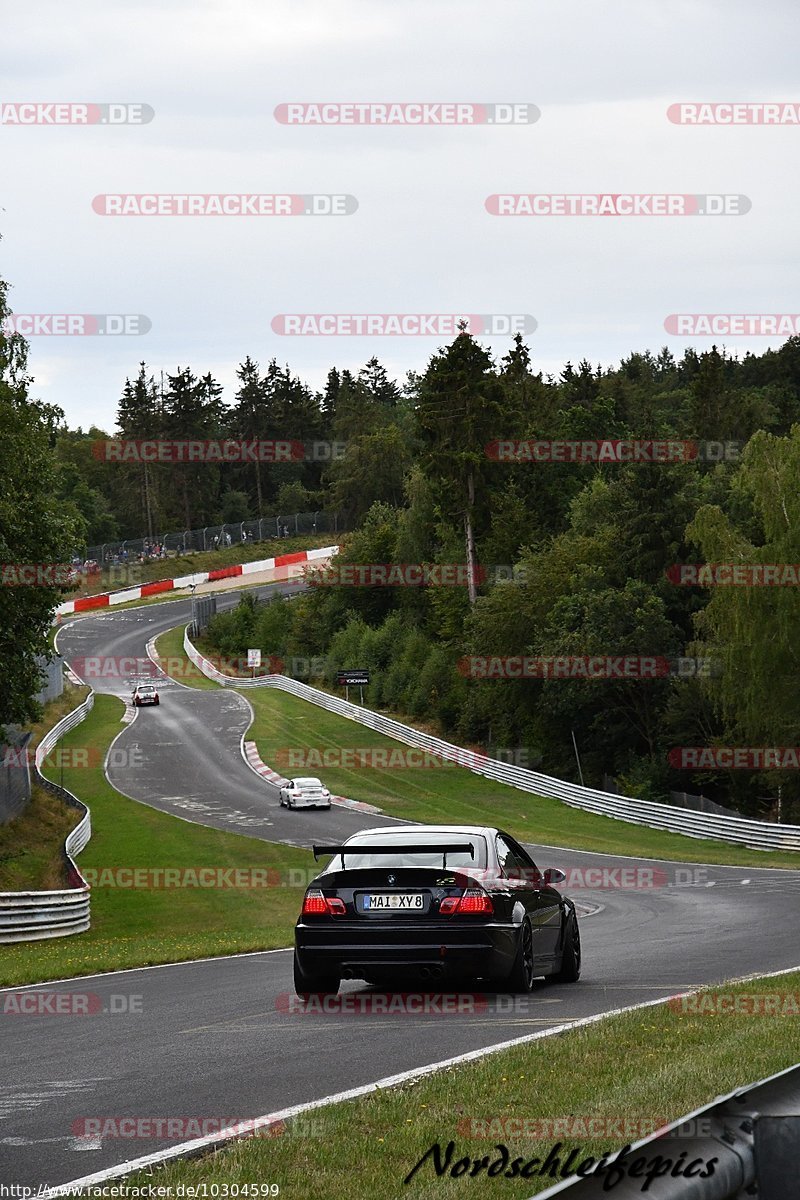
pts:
pixel 184 756
pixel 224 1038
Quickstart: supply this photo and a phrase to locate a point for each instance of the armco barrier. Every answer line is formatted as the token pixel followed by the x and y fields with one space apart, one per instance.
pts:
pixel 751 1136
pixel 34 916
pixel 759 835
pixel 141 591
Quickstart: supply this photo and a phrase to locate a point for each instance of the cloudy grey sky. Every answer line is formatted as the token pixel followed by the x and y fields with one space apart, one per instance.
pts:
pixel 602 74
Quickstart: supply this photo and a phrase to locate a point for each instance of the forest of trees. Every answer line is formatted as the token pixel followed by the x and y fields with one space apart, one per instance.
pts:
pixel 560 558
pixel 139 499
pixel 572 559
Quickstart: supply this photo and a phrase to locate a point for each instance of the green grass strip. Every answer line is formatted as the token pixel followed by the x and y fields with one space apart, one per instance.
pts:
pixel 646 1068
pixel 139 926
pixel 169 647
pixel 286 729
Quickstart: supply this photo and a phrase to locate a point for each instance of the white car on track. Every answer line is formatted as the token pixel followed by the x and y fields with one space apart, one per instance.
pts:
pixel 305 793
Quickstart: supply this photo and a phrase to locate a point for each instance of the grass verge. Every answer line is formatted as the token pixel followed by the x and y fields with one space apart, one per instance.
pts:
pixel 138 926
pixel 174 662
pixel 286 728
pixel 56 710
pixel 31 845
pixel 645 1068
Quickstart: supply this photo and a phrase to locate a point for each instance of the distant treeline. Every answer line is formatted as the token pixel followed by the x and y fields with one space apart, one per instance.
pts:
pixel 573 560
pixel 120 497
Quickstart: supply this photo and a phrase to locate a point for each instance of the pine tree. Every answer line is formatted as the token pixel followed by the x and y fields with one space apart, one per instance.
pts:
pixel 461 408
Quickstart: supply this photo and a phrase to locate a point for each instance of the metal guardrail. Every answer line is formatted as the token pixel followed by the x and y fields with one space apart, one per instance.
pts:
pixel 758 835
pixel 752 1137
pixel 34 916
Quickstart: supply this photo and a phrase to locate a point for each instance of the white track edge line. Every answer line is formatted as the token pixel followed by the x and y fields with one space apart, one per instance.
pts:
pixel 184 962
pixel 198 1145
pixel 681 862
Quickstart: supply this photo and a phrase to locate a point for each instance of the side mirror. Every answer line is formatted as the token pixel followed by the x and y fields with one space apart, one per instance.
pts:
pixel 554 875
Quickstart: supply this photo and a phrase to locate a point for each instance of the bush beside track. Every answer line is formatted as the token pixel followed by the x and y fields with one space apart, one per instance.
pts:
pixel 649 1067
pixel 139 926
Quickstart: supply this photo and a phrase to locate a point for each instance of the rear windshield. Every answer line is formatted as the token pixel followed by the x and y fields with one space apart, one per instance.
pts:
pixel 413 858
pixel 307 783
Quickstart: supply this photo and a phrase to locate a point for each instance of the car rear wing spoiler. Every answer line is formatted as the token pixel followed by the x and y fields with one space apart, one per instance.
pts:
pixel 411 848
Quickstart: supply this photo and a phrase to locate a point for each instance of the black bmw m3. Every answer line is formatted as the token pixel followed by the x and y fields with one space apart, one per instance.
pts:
pixel 453 903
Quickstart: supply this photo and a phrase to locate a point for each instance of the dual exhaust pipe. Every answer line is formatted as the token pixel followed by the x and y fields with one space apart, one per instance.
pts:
pixel 435 971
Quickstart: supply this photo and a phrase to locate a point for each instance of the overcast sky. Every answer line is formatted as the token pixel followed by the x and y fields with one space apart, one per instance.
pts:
pixel 602 75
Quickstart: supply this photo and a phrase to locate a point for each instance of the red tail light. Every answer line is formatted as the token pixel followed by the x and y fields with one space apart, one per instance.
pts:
pixel 476 901
pixel 473 902
pixel 317 905
pixel 314 905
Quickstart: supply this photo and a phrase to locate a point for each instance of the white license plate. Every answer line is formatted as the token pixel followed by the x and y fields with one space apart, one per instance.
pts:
pixel 394 901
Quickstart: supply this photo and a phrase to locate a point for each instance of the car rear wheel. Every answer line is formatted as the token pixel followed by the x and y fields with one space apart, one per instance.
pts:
pixel 570 971
pixel 521 977
pixel 306 984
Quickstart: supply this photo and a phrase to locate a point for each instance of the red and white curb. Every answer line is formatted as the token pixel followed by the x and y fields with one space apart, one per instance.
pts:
pixel 260 768
pixel 280 564
pixel 253 759
pixel 358 805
